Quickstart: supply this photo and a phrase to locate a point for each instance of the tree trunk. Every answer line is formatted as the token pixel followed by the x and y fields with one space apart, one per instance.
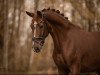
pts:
pixel 1 35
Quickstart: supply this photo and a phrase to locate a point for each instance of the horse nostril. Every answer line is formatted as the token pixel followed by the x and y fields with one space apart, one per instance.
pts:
pixel 42 42
pixel 36 48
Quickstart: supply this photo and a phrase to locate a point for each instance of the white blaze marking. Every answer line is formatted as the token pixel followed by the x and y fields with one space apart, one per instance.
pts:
pixel 35 23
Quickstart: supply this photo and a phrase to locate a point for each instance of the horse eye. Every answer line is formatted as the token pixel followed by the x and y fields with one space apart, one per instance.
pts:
pixel 41 26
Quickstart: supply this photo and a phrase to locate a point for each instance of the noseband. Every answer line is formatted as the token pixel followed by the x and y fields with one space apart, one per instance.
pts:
pixel 38 38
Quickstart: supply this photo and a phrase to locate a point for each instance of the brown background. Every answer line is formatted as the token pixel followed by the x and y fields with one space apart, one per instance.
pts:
pixel 16 54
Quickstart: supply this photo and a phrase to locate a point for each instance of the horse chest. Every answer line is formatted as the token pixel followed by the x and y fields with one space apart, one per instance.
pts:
pixel 59 61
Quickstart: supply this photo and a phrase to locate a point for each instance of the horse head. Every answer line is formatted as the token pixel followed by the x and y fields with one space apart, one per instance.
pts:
pixel 39 30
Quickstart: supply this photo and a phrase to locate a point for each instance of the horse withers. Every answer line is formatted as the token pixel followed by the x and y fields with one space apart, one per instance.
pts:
pixel 75 51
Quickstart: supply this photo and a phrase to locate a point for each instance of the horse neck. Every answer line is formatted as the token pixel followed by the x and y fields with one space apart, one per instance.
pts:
pixel 55 18
pixel 59 27
pixel 60 36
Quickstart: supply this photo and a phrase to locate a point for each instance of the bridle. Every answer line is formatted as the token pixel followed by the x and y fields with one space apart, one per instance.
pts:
pixel 42 38
pixel 37 38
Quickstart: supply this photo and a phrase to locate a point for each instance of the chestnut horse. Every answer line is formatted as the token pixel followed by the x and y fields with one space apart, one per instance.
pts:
pixel 75 51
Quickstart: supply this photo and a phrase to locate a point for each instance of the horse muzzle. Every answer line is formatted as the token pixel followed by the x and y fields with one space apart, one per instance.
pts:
pixel 37 49
pixel 37 44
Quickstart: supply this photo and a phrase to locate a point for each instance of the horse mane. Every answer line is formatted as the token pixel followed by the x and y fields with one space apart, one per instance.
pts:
pixel 62 14
pixel 54 10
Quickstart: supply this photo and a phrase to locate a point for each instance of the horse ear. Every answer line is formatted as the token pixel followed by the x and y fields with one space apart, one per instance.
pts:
pixel 39 13
pixel 30 14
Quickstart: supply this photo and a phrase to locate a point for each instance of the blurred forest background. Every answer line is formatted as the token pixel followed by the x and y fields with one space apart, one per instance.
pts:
pixel 16 54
